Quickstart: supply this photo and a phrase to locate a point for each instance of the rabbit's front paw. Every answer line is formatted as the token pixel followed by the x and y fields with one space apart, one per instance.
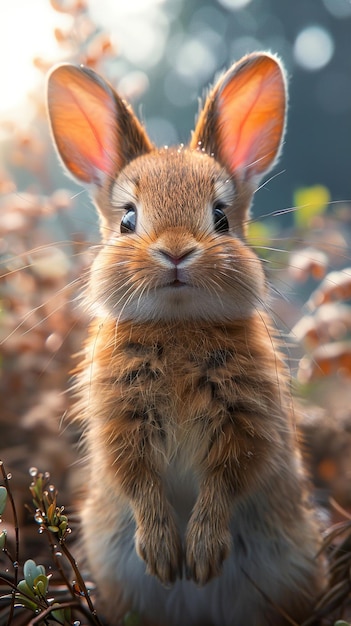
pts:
pixel 206 548
pixel 160 547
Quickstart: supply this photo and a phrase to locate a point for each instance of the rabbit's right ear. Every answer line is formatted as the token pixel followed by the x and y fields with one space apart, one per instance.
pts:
pixel 94 132
pixel 243 121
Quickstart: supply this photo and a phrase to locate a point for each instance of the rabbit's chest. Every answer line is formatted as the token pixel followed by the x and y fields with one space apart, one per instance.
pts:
pixel 184 388
pixel 178 388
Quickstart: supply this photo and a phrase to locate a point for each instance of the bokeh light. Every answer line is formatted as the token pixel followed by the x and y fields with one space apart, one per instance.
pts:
pixel 133 85
pixel 140 28
pixel 234 4
pixel 338 8
pixel 195 59
pixel 313 48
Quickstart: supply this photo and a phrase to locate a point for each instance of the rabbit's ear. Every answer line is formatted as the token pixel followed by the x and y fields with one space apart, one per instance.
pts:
pixel 95 133
pixel 242 123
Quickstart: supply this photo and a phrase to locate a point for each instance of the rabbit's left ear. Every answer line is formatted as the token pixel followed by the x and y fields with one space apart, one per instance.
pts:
pixel 242 123
pixel 95 133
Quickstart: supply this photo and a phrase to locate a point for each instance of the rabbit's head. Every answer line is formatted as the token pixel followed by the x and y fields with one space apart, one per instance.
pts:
pixel 173 220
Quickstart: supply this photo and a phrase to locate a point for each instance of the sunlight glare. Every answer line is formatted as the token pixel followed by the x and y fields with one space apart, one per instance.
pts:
pixel 26 32
pixel 140 28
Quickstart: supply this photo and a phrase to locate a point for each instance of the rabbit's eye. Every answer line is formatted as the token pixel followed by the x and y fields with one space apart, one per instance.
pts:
pixel 220 221
pixel 128 221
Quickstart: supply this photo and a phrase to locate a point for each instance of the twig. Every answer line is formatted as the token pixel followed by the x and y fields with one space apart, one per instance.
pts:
pixel 46 613
pixel 15 563
pixel 36 600
pixel 80 581
pixel 8 582
pixel 58 564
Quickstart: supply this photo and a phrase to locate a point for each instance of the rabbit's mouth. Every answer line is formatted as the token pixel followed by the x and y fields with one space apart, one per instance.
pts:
pixel 177 283
pixel 176 277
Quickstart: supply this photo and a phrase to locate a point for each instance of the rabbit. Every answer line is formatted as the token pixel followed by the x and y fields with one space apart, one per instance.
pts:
pixel 198 510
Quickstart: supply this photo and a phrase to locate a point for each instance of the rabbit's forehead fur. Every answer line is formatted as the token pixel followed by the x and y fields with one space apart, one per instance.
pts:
pixel 177 190
pixel 175 265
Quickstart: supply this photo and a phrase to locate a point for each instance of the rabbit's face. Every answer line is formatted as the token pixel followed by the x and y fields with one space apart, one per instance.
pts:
pixel 173 253
pixel 173 221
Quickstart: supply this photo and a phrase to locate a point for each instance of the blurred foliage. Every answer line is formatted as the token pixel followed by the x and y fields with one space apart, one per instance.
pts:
pixel 310 201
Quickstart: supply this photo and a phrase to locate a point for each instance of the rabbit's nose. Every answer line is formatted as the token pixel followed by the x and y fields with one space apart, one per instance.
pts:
pixel 176 259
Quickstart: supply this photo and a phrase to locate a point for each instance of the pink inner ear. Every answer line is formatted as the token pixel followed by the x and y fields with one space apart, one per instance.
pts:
pixel 251 117
pixel 83 117
pixel 95 132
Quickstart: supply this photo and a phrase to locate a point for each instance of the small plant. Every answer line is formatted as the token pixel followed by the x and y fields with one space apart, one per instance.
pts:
pixel 31 593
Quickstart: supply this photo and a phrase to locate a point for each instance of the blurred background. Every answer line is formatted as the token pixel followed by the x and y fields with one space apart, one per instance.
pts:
pixel 161 55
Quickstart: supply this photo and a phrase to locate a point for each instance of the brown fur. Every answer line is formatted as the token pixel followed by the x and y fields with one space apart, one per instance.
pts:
pixel 217 393
pixel 183 394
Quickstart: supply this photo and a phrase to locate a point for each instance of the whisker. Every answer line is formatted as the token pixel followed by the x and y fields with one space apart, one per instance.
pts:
pixel 38 308
pixel 268 180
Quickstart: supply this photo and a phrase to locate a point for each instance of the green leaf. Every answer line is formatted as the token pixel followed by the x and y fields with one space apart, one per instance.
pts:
pixel 25 602
pixel 63 527
pixel 24 588
pixel 40 585
pixel 63 616
pixel 41 570
pixel 31 571
pixel 53 529
pixel 3 499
